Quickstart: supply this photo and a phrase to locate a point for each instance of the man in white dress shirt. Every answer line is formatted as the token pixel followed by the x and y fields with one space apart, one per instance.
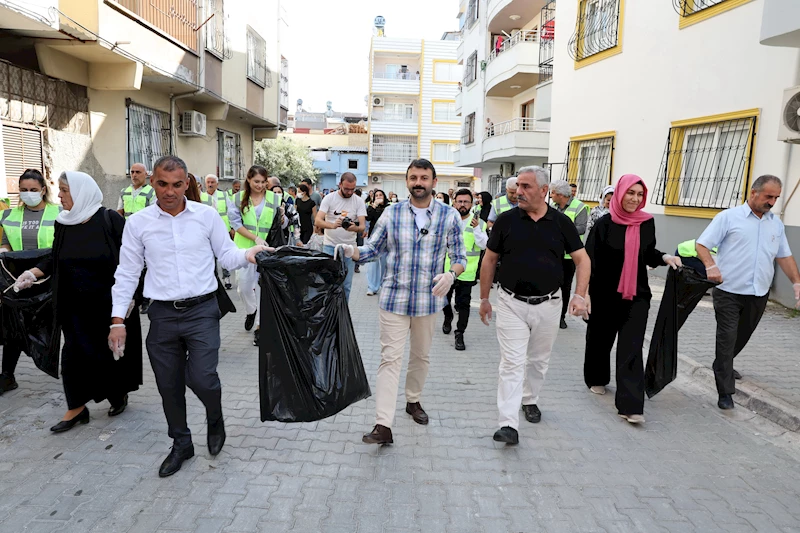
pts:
pixel 178 240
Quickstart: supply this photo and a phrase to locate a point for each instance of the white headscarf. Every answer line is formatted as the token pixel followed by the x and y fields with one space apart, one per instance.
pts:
pixel 86 197
pixel 608 189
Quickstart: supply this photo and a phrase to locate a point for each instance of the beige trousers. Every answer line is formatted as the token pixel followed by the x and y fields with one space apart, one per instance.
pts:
pixel 393 332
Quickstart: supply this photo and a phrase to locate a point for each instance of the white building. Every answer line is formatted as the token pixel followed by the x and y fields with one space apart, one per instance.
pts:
pixel 504 102
pixel 412 111
pixel 682 93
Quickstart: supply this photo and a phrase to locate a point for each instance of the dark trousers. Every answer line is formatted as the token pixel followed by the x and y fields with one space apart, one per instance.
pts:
pixel 183 346
pixel 737 318
pixel 625 320
pixel 463 294
pixel 11 353
pixel 569 273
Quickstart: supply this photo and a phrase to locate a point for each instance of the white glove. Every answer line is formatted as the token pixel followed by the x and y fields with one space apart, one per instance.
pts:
pixel 261 241
pixel 116 341
pixel 673 261
pixel 344 249
pixel 796 288
pixel 24 281
pixel 250 254
pixel 443 283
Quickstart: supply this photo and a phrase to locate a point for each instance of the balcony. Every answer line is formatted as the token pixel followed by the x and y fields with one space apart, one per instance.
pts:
pixel 392 156
pixel 500 12
pixel 176 18
pixel 459 102
pixel 515 67
pixel 395 83
pixel 515 140
pixel 384 122
pixel 780 23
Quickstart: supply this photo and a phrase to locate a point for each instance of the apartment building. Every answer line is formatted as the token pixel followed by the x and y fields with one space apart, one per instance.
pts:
pixel 412 96
pixel 97 85
pixel 504 102
pixel 684 94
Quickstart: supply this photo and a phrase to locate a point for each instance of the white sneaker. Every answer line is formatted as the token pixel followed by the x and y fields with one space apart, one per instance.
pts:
pixel 633 419
pixel 598 389
pixel 370 293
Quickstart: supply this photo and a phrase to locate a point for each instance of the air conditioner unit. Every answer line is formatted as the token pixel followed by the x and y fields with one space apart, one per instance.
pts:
pixel 506 169
pixel 375 179
pixel 377 101
pixel 790 116
pixel 193 124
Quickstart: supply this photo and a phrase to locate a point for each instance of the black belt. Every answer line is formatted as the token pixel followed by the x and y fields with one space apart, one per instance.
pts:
pixel 189 302
pixel 532 300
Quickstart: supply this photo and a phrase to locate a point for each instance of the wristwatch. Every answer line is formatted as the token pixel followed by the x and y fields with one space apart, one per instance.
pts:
pixel 453 272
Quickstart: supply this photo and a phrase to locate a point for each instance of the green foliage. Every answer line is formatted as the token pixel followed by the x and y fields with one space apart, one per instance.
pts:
pixel 285 159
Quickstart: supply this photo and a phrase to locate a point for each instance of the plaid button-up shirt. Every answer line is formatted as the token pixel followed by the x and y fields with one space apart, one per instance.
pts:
pixel 414 256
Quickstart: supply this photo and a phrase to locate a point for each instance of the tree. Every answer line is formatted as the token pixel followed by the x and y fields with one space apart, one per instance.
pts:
pixel 285 159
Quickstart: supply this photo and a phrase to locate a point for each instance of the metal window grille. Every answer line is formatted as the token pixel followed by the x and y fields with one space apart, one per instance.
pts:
pixel 597 28
pixel 472 13
pixel 149 134
pixel 257 59
pixel 471 72
pixel 216 40
pixel 706 165
pixel 229 155
pixel 547 40
pixel 468 134
pixel 588 164
pixel 690 7
pixel 22 149
pixel 394 148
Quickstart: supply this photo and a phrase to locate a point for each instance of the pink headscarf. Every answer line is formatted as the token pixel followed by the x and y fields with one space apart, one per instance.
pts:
pixel 627 281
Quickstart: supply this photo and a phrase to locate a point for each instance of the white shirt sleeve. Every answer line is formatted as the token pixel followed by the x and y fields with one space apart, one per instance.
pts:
pixel 481 238
pixel 227 253
pixel 120 204
pixel 129 270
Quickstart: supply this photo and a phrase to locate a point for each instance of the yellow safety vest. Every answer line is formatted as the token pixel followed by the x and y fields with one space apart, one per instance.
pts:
pixel 258 227
pixel 572 210
pixel 222 205
pixel 131 205
pixel 12 226
pixel 473 252
pixel 501 205
pixel 688 249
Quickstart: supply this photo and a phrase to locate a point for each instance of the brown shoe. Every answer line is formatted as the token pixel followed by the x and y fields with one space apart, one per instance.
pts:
pixel 416 412
pixel 379 435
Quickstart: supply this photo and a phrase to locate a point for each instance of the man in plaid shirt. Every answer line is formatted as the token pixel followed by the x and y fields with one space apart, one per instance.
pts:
pixel 415 235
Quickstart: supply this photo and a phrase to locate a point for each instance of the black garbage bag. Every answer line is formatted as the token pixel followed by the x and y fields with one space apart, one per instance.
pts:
pixel 309 364
pixel 683 291
pixel 28 316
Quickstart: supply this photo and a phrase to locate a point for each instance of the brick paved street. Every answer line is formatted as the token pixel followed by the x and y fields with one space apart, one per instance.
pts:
pixel 690 468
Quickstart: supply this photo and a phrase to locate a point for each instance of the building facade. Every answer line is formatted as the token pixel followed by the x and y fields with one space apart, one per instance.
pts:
pixel 97 85
pixel 504 102
pixel 335 161
pixel 412 111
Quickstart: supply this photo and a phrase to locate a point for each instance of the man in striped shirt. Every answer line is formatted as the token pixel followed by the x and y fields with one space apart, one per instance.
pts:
pixel 415 235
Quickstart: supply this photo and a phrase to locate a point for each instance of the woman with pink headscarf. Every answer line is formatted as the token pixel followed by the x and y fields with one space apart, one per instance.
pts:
pixel 621 244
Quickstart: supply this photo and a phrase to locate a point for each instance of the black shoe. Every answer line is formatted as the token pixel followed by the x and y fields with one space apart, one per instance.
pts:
pixel 7 382
pixel 532 413
pixel 145 307
pixel 66 425
pixel 460 346
pixel 228 286
pixel 256 337
pixel 736 375
pixel 118 409
pixel 506 434
pixel 357 270
pixel 417 413
pixel 447 327
pixel 216 437
pixel 249 321
pixel 725 401
pixel 379 435
pixel 174 461
pixel 563 324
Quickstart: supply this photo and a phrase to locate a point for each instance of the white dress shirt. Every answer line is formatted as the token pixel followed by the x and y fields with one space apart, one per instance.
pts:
pixel 179 252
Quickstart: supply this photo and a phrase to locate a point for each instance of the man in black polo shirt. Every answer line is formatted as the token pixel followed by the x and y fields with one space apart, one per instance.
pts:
pixel 530 240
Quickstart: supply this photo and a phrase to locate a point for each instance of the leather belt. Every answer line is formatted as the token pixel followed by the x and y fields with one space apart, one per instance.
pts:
pixel 189 302
pixel 532 300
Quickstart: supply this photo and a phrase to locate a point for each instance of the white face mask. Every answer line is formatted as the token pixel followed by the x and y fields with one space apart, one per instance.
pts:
pixel 31 199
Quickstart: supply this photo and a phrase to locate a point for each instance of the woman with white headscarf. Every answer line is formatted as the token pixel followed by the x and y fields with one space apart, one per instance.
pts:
pixel 85 255
pixel 602 209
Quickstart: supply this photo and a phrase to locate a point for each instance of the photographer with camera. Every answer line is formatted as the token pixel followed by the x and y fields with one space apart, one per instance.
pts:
pixel 343 217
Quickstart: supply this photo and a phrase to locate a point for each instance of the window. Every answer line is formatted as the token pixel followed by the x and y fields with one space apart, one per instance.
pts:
pixel 444 111
pixel 394 148
pixel 443 152
pixel 257 58
pixel 396 112
pixel 589 160
pixel 693 11
pixel 471 71
pixel 149 135
pixel 472 13
pixel 707 162
pixel 215 28
pixel 229 151
pixel 547 41
pixel 597 29
pixel 352 164
pixel 22 149
pixel 446 72
pixel 468 133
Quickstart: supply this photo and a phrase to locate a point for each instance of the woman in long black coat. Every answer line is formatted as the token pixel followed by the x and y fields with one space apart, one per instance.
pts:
pixel 85 255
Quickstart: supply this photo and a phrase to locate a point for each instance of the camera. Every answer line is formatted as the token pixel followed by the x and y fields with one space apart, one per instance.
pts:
pixel 346 222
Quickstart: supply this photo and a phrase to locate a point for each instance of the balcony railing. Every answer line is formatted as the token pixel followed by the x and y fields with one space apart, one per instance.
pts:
pixel 515 125
pixel 393 152
pixel 524 36
pixel 383 116
pixel 395 76
pixel 547 42
pixel 687 7
pixel 176 18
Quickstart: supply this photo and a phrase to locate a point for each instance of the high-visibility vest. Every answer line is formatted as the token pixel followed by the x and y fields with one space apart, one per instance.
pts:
pixel 131 205
pixel 222 205
pixel 473 252
pixel 260 227
pixel 11 220
pixel 501 205
pixel 573 209
pixel 688 249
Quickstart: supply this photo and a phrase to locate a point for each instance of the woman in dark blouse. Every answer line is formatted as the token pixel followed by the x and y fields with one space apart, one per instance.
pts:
pixel 307 210
pixel 620 245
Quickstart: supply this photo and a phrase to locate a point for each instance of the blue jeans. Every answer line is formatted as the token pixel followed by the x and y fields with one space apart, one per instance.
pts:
pixel 351 266
pixel 375 274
